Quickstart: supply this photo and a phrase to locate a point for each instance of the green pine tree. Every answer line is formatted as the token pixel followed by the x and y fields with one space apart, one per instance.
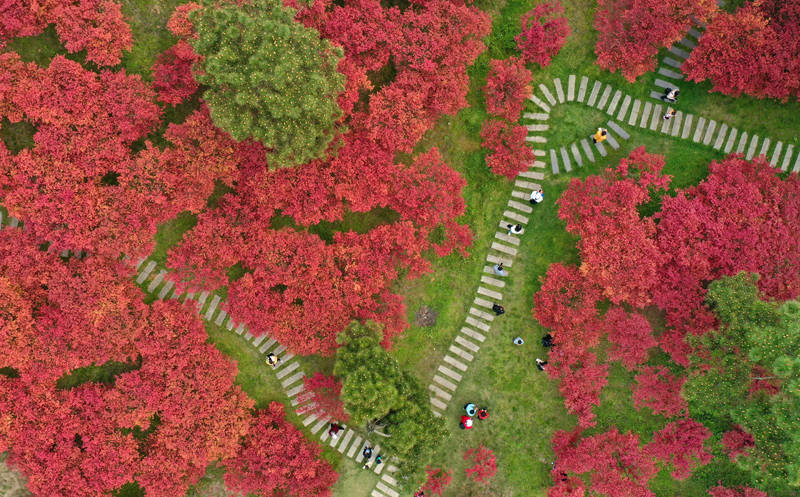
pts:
pixel 269 78
pixel 375 389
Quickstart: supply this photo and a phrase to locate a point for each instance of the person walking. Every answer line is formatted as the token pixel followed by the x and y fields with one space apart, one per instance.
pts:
pixel 540 364
pixel 518 341
pixel 498 309
pixel 333 431
pixel 273 360
pixel 466 422
pixel 600 135
pixel 378 459
pixel 537 197
pixel 367 453
pixel 670 95
pixel 499 271
pixel 670 114
pixel 515 229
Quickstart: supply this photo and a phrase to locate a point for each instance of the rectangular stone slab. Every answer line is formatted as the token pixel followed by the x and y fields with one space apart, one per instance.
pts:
pixel 634 113
pixel 614 102
pixel 559 90
pixel 587 149
pixel 593 95
pixel 731 141
pixel 712 125
pixel 582 90
pixel 645 115
pixel 687 126
pixel 787 157
pixel 565 159
pixel 604 98
pixel 549 96
pixel 720 136
pixel 676 124
pixel 571 88
pixel 576 154
pixel 623 110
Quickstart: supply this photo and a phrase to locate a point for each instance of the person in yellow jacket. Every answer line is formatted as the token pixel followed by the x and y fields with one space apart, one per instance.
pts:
pixel 600 136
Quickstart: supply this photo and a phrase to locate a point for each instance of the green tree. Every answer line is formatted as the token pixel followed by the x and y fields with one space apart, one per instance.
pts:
pixel 748 373
pixel 269 78
pixel 375 390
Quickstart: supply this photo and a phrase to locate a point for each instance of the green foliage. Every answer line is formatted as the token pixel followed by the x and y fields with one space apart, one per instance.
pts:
pixel 757 344
pixel 105 373
pixel 376 389
pixel 269 78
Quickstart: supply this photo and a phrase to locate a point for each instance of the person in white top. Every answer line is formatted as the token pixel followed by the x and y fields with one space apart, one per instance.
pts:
pixel 537 197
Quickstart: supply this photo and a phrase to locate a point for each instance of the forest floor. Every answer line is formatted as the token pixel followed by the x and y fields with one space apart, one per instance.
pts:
pixel 526 407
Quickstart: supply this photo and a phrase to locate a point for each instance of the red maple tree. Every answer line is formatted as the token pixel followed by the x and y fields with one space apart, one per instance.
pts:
pixel 616 463
pixel 618 248
pixel 760 40
pixel 324 394
pixel 544 32
pixel 172 73
pixel 506 88
pixel 276 459
pixel 630 337
pixel 681 443
pixel 96 26
pixel 631 32
pixel 659 390
pixel 720 491
pixel 159 419
pixel 438 480
pixel 737 441
pixel 484 464
pixel 510 154
pixel 707 231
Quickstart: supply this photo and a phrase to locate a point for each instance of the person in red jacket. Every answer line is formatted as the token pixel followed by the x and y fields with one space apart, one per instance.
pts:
pixel 466 422
pixel 483 413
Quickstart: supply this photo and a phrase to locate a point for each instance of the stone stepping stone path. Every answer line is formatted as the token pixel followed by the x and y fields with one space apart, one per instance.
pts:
pixel 628 111
pixel 289 373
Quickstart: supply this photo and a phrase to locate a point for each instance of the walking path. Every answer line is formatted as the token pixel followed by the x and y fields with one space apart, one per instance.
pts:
pixel 350 442
pixel 647 115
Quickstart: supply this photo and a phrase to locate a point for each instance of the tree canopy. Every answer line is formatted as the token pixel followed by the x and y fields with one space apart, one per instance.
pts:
pixel 376 389
pixel 269 78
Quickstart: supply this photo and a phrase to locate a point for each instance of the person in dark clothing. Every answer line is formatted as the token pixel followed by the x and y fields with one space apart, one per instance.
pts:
pixel 671 95
pixel 547 340
pixel 540 364
pixel 419 494
pixel 498 309
pixel 333 431
pixel 378 459
pixel 367 453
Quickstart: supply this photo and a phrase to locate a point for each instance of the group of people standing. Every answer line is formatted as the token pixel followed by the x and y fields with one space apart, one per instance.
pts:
pixel 472 411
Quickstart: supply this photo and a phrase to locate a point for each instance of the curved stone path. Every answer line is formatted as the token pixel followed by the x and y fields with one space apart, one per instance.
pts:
pixel 647 115
pixel 350 442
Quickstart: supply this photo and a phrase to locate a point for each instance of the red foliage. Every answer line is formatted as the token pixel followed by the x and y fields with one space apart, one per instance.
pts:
pixel 657 389
pixel 630 32
pixel 708 231
pixel 544 32
pixel 752 51
pixel 510 153
pixel 484 464
pixel 681 443
pixel 179 23
pixel 581 381
pixel 630 337
pixel 275 459
pixel 172 73
pixel 737 441
pixel 76 441
pixel 615 461
pixel 618 248
pixel 325 396
pixel 507 87
pixel 720 491
pixel 568 300
pixel 96 26
pixel 438 480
